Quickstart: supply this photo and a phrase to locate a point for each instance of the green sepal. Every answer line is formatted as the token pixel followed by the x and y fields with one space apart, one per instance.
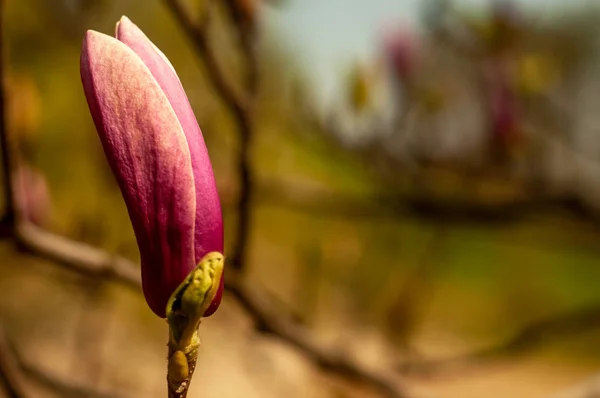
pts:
pixel 191 299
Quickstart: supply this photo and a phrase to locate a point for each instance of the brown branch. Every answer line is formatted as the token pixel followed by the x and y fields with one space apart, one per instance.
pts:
pixel 390 205
pixel 11 377
pixel 245 121
pixel 246 176
pixel 242 107
pixel 14 371
pixel 246 34
pixel 94 262
pixel 266 321
pixel 6 144
pixel 197 33
pixel 524 341
pixel 244 208
pixel 65 389
pixel 79 257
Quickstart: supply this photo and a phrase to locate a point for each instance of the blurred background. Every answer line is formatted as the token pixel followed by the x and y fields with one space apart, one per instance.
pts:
pixel 416 189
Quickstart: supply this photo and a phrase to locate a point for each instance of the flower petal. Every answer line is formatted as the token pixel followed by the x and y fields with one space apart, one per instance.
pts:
pixel 209 222
pixel 148 153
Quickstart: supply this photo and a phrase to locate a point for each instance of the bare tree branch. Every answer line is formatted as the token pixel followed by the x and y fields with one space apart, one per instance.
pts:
pixel 13 372
pixel 94 262
pixel 6 145
pixel 198 35
pixel 11 377
pixel 246 34
pixel 77 256
pixel 244 211
pixel 242 106
pixel 256 305
pixel 64 388
pixel 390 205
pixel 527 339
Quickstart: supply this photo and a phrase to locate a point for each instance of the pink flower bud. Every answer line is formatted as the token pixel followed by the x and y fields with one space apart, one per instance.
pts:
pixel 155 148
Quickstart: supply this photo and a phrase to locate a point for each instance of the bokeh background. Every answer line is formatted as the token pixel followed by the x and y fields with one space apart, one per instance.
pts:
pixel 424 198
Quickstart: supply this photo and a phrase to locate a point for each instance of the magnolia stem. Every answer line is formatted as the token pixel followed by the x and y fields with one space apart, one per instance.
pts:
pixel 185 309
pixel 181 366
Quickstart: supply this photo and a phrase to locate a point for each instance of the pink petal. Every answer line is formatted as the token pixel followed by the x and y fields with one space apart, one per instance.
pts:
pixel 148 153
pixel 209 223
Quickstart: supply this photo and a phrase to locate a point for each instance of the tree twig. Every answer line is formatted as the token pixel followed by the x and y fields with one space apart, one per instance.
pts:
pixel 269 322
pixel 11 376
pixel 241 106
pixel 244 211
pixel 80 257
pixel 64 388
pixel 6 144
pixel 197 33
pixel 246 34
pixel 14 371
pixel 94 262
pixel 525 340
